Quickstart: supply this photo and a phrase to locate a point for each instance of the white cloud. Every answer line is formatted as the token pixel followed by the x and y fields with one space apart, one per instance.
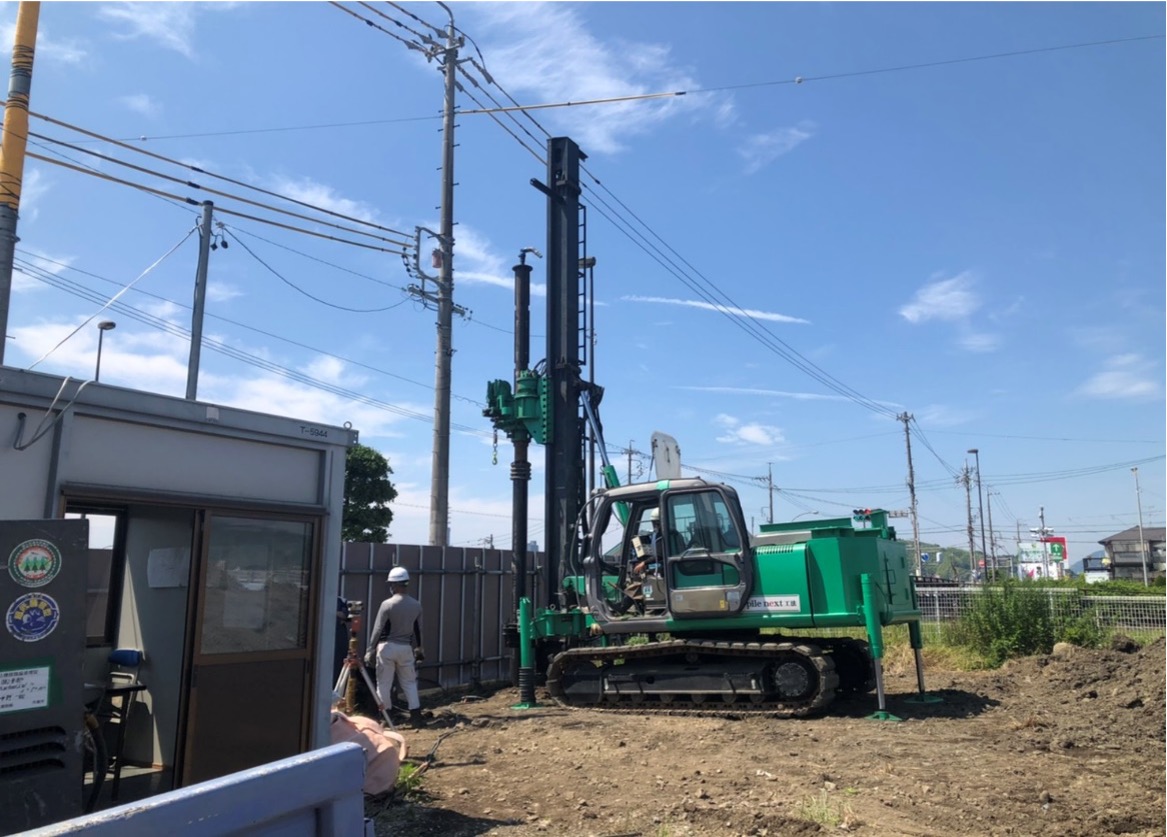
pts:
pixel 543 53
pixel 170 25
pixel 1127 377
pixel 747 433
pixel 47 49
pixel 759 150
pixel 32 189
pixel 707 306
pixel 222 292
pixel 476 262
pixel 54 265
pixel 140 103
pixel 778 393
pixel 939 415
pixel 945 300
pixel 319 194
pixel 980 342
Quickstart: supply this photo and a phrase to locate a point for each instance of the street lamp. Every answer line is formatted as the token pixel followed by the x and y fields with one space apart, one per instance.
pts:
pixel 800 514
pixel 981 506
pixel 102 328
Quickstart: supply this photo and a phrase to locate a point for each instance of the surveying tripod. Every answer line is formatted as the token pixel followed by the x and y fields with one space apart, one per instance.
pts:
pixel 345 690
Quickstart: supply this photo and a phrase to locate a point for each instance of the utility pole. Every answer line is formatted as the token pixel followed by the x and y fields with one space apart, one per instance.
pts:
pixel 770 480
pixel 200 303
pixel 1142 540
pixel 905 418
pixel 972 549
pixel 629 451
pixel 981 509
pixel 992 537
pixel 1044 545
pixel 440 471
pixel 12 148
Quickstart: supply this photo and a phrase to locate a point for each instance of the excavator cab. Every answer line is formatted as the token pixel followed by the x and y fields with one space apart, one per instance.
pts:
pixel 697 567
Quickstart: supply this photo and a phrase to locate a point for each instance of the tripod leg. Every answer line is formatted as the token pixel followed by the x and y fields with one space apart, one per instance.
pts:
pixel 372 689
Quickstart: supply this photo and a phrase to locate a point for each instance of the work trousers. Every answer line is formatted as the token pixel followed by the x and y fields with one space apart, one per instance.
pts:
pixel 395 659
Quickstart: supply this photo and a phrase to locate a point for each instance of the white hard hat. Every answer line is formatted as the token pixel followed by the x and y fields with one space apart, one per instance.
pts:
pixel 399 575
pixel 654 514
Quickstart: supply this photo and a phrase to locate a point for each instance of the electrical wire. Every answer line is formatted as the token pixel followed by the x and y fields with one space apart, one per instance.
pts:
pixel 218 209
pixel 31 266
pixel 113 299
pixel 300 290
pixel 221 193
pixel 211 174
pixel 797 80
pixel 244 357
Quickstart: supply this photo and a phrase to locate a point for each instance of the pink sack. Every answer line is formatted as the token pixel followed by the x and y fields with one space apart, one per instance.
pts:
pixel 384 749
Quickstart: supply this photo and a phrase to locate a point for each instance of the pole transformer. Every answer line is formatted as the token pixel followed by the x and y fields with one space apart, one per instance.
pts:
pixel 12 148
pixel 440 469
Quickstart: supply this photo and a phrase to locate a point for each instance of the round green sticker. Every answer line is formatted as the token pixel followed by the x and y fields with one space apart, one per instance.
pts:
pixel 34 563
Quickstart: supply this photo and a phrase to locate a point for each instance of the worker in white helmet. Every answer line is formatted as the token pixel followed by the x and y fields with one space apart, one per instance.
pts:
pixel 395 644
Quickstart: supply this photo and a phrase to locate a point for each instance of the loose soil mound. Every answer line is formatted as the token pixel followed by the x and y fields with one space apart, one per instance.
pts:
pixel 1065 745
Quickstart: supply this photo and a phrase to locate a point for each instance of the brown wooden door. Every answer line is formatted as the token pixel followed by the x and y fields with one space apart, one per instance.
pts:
pixel 251 659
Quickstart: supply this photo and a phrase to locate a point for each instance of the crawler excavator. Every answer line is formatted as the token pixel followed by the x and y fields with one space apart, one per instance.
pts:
pixel 722 620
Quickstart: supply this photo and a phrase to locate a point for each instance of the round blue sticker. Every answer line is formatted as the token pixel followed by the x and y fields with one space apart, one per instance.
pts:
pixel 32 617
pixel 34 563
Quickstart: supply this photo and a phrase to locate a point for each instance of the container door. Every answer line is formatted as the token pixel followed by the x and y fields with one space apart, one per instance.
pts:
pixel 251 657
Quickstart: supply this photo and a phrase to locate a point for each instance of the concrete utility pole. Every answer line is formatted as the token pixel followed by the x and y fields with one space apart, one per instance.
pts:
pixel 1142 540
pixel 972 548
pixel 440 471
pixel 1044 545
pixel 200 303
pixel 992 537
pixel 770 480
pixel 905 418
pixel 12 148
pixel 981 510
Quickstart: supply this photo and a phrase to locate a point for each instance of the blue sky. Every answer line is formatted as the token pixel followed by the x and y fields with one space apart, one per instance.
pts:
pixel 979 243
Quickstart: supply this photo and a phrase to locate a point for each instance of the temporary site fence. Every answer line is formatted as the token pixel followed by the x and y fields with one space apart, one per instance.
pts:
pixel 467 599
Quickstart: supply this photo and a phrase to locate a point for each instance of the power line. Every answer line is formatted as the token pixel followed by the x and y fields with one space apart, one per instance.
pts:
pixel 238 354
pixel 209 190
pixel 797 80
pixel 34 267
pixel 211 174
pixel 113 299
pixel 300 290
pixel 221 210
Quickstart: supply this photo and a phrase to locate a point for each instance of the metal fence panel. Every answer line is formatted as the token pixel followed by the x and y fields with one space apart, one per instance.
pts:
pixel 466 596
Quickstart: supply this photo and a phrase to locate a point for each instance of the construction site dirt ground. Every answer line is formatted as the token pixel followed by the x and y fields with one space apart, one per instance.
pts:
pixel 1066 745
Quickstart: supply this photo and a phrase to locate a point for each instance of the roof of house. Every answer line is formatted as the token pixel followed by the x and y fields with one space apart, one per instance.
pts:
pixel 1150 533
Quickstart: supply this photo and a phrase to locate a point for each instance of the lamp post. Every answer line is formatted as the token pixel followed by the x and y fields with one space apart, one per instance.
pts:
pixel 800 514
pixel 981 507
pixel 102 328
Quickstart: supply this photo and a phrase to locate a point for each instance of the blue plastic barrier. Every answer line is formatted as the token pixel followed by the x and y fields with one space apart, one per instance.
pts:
pixel 316 793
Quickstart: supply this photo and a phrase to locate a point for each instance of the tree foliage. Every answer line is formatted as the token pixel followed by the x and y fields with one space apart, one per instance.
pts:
pixel 367 495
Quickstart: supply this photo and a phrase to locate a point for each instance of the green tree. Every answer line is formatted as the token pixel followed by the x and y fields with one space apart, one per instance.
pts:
pixel 367 495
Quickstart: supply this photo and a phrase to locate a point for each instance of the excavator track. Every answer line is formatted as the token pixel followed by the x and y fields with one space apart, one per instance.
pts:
pixel 696 677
